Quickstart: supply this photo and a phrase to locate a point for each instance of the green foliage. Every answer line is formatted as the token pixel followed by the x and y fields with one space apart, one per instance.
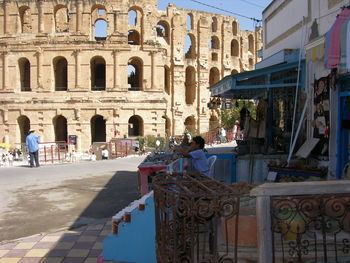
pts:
pixel 229 116
pixel 150 141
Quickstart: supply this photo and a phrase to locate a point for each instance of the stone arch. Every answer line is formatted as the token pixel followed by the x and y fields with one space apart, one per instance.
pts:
pixel 134 37
pixel 251 43
pixel 214 42
pixel 100 29
pixel 189 22
pixel 24 74
pixel 98 73
pixel 234 48
pixel 60 128
pixel 163 30
pixel 98 129
pixel 251 62
pixel 214 76
pixel 167 79
pixel 60 67
pixel 135 73
pixel 135 16
pixel 234 28
pixel 135 126
pixel 214 123
pixel 132 17
pixel 24 127
pixel 234 71
pixel 190 46
pixel 61 18
pixel 190 124
pixel 25 16
pixel 214 24
pixel 190 85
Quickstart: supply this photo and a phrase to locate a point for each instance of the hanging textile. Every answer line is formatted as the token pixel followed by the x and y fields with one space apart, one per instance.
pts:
pixel 334 45
pixel 343 43
pixel 348 45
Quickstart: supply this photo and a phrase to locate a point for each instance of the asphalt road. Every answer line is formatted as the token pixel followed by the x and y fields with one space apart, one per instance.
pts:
pixel 40 200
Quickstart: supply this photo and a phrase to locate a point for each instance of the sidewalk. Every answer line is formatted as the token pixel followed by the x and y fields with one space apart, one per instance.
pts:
pixel 81 245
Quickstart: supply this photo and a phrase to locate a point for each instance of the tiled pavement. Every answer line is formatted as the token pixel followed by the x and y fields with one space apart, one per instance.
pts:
pixel 81 245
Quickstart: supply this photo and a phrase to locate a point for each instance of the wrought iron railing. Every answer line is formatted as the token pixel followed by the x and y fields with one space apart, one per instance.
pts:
pixel 192 213
pixel 311 228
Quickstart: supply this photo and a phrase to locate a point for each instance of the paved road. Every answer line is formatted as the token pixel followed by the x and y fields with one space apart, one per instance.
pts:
pixel 35 200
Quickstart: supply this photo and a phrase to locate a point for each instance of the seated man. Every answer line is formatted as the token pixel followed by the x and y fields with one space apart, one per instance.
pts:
pixel 195 151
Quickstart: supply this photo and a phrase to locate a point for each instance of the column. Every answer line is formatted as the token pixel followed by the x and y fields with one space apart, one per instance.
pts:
pixel 6 17
pixel 77 68
pixel 116 70
pixel 79 8
pixel 41 17
pixel 153 74
pixel 115 21
pixel 39 55
pixel 5 70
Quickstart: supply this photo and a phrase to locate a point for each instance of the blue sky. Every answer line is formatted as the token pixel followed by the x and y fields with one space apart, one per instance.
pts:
pixel 249 8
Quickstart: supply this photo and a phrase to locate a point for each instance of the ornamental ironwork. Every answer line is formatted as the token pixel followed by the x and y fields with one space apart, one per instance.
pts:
pixel 311 228
pixel 192 213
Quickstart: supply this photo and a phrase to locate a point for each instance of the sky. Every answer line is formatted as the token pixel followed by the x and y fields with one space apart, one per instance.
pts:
pixel 248 8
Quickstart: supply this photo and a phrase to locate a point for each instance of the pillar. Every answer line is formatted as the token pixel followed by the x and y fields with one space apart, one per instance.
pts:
pixel 39 55
pixel 5 70
pixel 41 16
pixel 153 74
pixel 77 69
pixel 116 70
pixel 6 17
pixel 79 7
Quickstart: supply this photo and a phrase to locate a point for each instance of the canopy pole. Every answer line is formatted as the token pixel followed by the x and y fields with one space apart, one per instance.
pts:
pixel 297 88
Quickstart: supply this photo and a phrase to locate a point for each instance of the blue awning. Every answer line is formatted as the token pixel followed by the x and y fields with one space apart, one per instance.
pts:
pixel 253 84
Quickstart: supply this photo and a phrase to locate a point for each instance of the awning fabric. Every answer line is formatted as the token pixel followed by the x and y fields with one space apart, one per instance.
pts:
pixel 253 84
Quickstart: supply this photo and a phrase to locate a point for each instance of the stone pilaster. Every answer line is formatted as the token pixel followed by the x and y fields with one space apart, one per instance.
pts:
pixel 5 70
pixel 41 16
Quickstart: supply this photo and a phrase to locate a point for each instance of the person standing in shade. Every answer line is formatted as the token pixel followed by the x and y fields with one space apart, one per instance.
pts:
pixel 32 143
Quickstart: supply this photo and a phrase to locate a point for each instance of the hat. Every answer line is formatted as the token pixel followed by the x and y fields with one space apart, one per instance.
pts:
pixel 32 130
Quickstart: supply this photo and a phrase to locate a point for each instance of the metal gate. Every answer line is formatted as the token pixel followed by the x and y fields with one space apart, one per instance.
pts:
pixel 191 219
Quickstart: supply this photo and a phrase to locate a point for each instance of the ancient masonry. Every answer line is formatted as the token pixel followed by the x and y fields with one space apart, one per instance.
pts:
pixel 144 71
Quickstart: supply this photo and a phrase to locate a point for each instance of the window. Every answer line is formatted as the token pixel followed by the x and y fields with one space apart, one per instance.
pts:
pixel 61 19
pixel 24 72
pixel 189 22
pixel 135 74
pixel 214 24
pixel 135 124
pixel 98 129
pixel 100 30
pixel 134 37
pixel 26 19
pixel 163 30
pixel 98 73
pixel 190 85
pixel 132 18
pixel 60 67
pixel 214 76
pixel 234 48
pixel 234 28
pixel 251 43
pixel 190 46
pixel 214 42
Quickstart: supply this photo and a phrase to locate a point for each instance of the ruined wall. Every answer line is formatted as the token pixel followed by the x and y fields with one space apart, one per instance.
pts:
pixel 137 78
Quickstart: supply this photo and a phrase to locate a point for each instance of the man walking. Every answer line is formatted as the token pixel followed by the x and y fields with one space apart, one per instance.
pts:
pixel 32 143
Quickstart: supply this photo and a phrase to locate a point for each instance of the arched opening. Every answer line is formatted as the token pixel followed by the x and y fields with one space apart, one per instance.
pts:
pixel 214 42
pixel 234 48
pixel 189 22
pixel 100 30
pixel 132 18
pixel 214 76
pixel 98 73
pixel 167 126
pixel 98 129
pixel 162 29
pixel 26 19
pixel 60 67
pixel 135 74
pixel 234 28
pixel 214 123
pixel 190 46
pixel 134 37
pixel 214 24
pixel 167 79
pixel 135 126
pixel 24 127
pixel 61 19
pixel 24 72
pixel 60 127
pixel 234 71
pixel 251 43
pixel 190 124
pixel 190 85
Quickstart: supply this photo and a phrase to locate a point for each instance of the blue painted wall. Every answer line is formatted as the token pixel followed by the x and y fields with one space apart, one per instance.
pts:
pixel 135 241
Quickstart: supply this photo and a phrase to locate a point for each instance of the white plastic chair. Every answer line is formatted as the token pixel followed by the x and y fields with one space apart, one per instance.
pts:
pixel 211 162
